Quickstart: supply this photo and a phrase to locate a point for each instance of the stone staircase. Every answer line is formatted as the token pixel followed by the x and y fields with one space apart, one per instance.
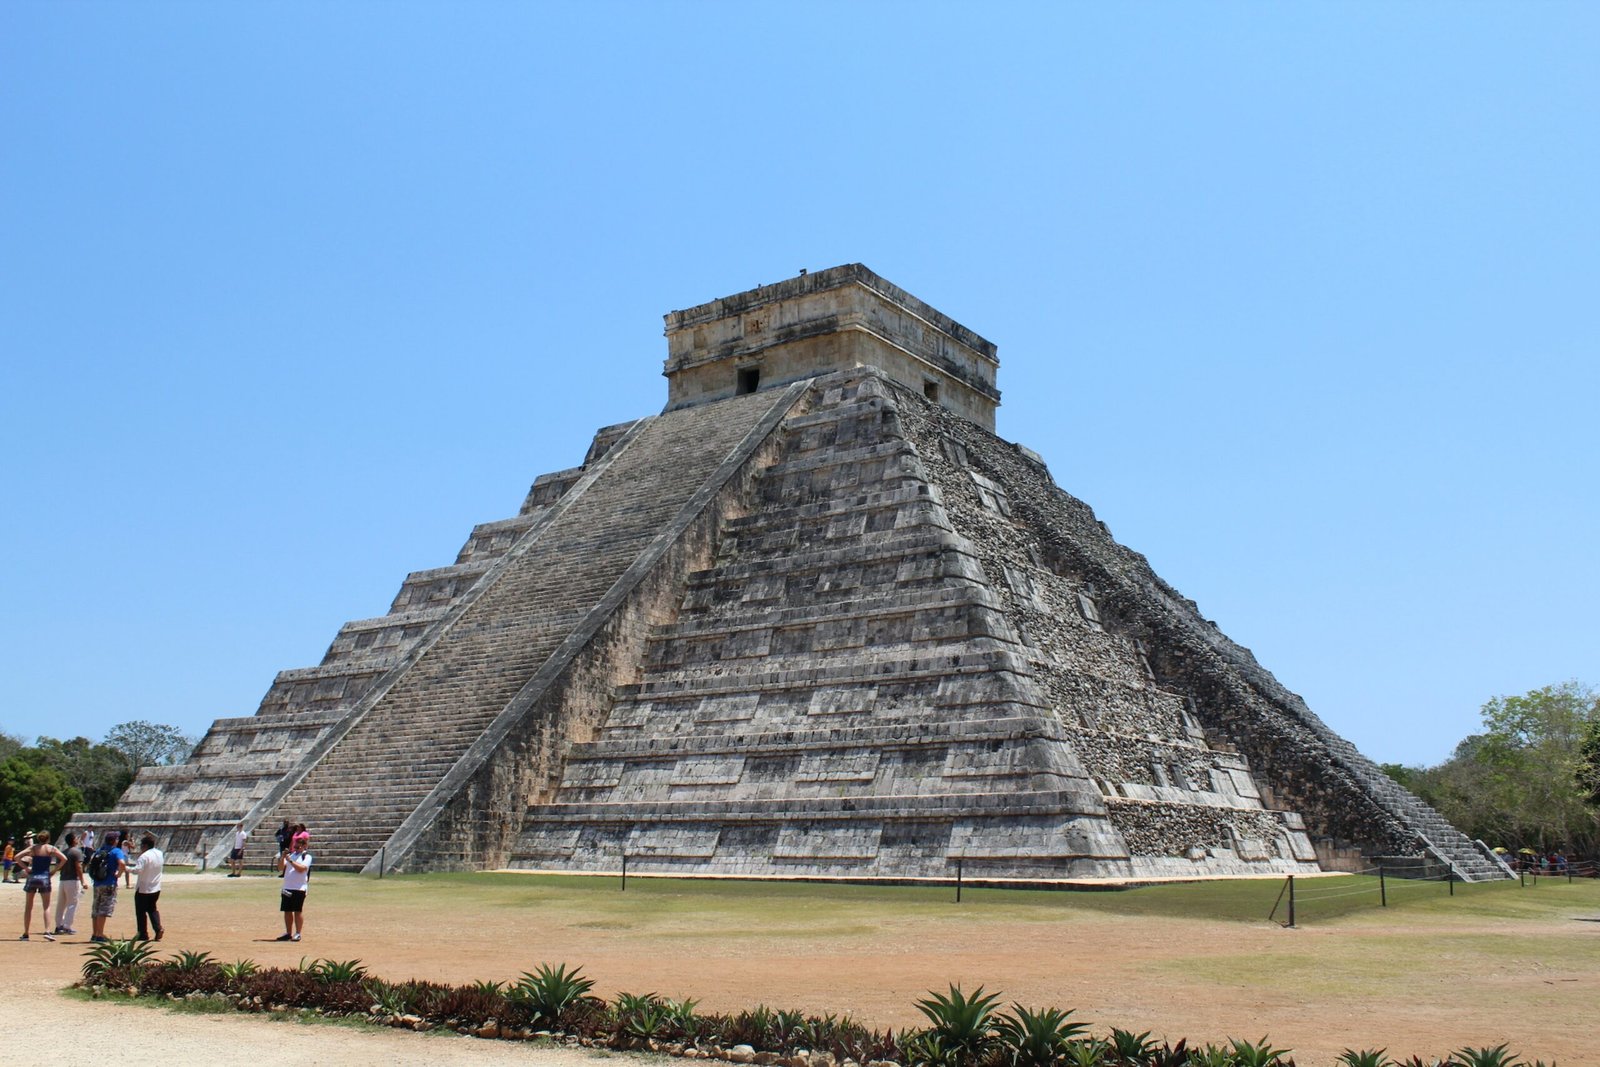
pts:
pixel 417 725
pixel 838 694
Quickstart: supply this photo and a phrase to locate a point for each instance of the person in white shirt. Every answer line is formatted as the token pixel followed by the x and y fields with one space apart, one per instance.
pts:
pixel 236 857
pixel 148 889
pixel 296 867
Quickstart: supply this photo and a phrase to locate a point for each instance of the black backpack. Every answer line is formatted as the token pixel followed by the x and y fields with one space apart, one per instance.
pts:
pixel 100 869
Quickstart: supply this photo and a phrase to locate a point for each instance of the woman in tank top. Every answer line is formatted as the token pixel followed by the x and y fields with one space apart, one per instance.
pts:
pixel 43 859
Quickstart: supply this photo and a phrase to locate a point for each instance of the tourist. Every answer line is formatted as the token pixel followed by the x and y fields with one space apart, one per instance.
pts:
pixel 106 867
pixel 72 884
pixel 43 859
pixel 87 842
pixel 126 837
pixel 145 912
pixel 10 857
pixel 295 866
pixel 236 857
pixel 283 834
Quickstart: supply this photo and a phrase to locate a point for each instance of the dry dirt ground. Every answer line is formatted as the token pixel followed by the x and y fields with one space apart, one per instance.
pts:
pixel 1424 978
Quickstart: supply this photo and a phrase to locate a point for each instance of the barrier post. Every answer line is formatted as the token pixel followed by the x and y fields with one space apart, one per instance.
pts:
pixel 1450 876
pixel 383 859
pixel 1383 889
pixel 958 881
pixel 1291 902
pixel 624 872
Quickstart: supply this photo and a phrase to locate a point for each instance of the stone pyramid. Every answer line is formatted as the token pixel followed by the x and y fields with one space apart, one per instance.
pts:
pixel 813 620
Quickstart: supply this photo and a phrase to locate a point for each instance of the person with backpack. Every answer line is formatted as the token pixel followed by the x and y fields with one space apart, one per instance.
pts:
pixel 106 868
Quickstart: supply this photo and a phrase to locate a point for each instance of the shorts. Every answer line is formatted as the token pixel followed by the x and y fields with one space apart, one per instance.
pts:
pixel 105 901
pixel 292 900
pixel 236 854
pixel 38 883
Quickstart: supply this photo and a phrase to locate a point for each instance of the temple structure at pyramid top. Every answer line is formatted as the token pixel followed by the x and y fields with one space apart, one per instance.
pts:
pixel 835 320
pixel 814 619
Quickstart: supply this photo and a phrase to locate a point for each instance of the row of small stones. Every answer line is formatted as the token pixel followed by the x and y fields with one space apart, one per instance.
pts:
pixel 493 1030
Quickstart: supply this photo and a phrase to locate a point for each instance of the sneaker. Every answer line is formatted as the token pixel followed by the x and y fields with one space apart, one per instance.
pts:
pixel 296 937
pixel 97 937
pixel 285 937
pixel 160 934
pixel 66 931
pixel 49 937
pixel 24 937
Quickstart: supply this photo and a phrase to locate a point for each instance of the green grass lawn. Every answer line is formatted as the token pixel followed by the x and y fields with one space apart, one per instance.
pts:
pixel 755 908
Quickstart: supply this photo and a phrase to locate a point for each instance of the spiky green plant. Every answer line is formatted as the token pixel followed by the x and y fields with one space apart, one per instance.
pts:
pixel 103 956
pixel 1210 1056
pixel 1259 1054
pixel 1364 1058
pixel 1036 1038
pixel 327 972
pixel 681 1014
pixel 388 999
pixel 963 1023
pixel 1127 1047
pixel 239 970
pixel 641 1017
pixel 493 989
pixel 1090 1052
pixel 191 961
pixel 547 992
pixel 1498 1056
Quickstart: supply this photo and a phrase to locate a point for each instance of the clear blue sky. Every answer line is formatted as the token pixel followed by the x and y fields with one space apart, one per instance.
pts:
pixel 1302 299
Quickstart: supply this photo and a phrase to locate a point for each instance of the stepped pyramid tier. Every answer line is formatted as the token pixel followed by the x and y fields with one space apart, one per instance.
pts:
pixel 813 620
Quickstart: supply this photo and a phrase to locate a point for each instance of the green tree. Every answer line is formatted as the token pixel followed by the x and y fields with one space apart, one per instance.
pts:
pixel 34 796
pixel 98 772
pixel 1589 765
pixel 1519 782
pixel 149 744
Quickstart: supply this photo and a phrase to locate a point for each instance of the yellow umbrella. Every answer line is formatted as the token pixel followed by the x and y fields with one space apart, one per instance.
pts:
pixel 1527 852
pixel 1501 849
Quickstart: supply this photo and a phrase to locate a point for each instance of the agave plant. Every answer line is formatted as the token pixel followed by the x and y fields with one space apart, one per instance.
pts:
pixel 1259 1054
pixel 239 970
pixel 1090 1052
pixel 388 999
pixel 191 961
pixel 1036 1038
pixel 1499 1056
pixel 641 1017
pixel 492 989
pixel 1127 1047
pixel 327 972
pixel 1209 1055
pixel 104 956
pixel 1364 1058
pixel 963 1024
pixel 547 992
pixel 680 1014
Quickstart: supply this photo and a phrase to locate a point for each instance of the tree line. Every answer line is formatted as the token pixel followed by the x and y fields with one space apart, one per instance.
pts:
pixel 1530 779
pixel 42 784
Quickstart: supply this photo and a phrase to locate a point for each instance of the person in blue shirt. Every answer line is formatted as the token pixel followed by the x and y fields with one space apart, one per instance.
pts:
pixel 105 887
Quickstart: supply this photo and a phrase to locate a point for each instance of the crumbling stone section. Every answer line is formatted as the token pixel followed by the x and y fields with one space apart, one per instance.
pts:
pixel 1097 591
